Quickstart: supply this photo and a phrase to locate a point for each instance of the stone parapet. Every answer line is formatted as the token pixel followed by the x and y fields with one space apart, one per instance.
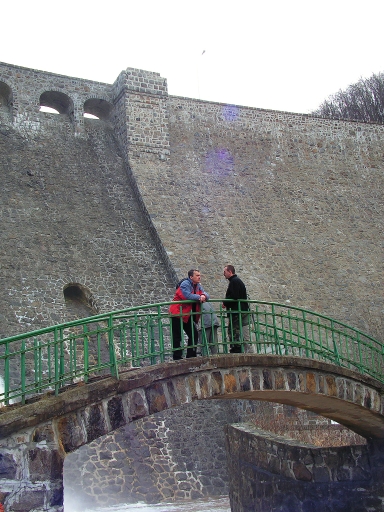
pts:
pixel 269 473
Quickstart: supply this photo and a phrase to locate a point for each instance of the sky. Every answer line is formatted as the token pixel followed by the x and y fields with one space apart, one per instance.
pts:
pixel 287 55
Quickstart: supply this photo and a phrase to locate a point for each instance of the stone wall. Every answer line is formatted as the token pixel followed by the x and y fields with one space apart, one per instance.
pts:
pixel 123 205
pixel 171 456
pixel 28 85
pixel 70 214
pixel 293 201
pixel 272 473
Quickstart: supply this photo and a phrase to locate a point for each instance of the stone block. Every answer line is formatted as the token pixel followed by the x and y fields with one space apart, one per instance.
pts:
pixel 292 381
pixel 331 385
pixel 116 412
pixel 29 499
pixel 301 472
pixel 70 432
pixel 267 379
pixel 172 393
pixel 279 379
pixel 137 405
pixel 44 433
pixel 191 382
pixel 311 382
pixel 256 379
pixel 244 380
pixel 8 466
pixel 94 422
pixel 156 398
pixel 230 384
pixel 45 465
pixel 204 386
pixel 216 383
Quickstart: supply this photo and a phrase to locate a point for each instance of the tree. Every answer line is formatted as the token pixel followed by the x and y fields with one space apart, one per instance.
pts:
pixel 362 101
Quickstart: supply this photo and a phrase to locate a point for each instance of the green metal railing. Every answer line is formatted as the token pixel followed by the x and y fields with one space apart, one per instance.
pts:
pixel 49 359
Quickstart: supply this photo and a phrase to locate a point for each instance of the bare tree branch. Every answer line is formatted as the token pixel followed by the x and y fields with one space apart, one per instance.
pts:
pixel 362 101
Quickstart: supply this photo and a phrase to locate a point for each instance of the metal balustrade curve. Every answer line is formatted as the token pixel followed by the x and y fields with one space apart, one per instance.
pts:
pixel 49 359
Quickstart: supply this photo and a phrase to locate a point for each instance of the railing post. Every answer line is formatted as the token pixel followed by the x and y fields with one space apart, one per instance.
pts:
pixel 62 358
pixel 275 331
pixel 223 330
pixel 22 369
pixel 336 352
pixel 151 339
pixel 56 362
pixel 86 352
pixel 112 352
pixel 161 334
pixel 6 375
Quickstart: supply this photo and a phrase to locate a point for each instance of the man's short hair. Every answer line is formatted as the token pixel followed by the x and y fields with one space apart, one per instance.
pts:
pixel 230 268
pixel 192 271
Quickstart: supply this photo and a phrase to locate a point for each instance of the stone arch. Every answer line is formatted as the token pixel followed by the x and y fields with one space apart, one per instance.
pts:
pixel 80 303
pixel 6 99
pixel 6 96
pixel 353 400
pixel 58 101
pixel 84 413
pixel 79 299
pixel 100 108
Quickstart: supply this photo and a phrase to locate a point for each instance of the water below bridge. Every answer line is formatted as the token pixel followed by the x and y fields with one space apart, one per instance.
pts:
pixel 220 504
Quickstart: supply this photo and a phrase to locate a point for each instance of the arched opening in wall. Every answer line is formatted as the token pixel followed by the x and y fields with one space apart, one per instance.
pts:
pixel 48 110
pixel 6 98
pixel 58 101
pixel 79 301
pixel 80 304
pixel 90 116
pixel 98 109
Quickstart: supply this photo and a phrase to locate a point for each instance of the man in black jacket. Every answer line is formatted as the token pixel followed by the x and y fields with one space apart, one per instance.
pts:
pixel 236 290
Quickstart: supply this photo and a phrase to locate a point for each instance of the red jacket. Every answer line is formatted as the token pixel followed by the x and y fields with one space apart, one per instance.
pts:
pixel 187 292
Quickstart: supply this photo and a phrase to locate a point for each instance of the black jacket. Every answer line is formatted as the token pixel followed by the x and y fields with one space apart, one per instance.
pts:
pixel 236 290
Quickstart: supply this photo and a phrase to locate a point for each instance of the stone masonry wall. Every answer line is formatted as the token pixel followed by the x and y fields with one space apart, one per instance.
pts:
pixel 70 215
pixel 293 201
pixel 166 184
pixel 27 85
pixel 172 456
pixel 272 473
pixel 70 208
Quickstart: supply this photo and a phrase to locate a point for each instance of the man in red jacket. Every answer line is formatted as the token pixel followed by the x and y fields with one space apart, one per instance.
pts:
pixel 188 289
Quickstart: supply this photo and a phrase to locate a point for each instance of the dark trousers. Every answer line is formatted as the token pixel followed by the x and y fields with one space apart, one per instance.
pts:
pixel 234 336
pixel 176 337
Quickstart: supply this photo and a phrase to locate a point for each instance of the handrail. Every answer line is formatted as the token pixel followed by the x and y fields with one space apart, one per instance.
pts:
pixel 49 359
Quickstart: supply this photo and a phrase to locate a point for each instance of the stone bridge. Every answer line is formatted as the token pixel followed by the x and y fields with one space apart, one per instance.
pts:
pixel 36 437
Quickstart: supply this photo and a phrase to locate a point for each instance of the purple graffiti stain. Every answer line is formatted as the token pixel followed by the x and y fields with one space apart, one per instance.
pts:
pixel 219 162
pixel 230 112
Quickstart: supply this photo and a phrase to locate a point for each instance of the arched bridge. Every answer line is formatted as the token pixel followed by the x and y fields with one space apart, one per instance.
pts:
pixel 82 384
pixel 51 358
pixel 82 412
pixel 36 437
